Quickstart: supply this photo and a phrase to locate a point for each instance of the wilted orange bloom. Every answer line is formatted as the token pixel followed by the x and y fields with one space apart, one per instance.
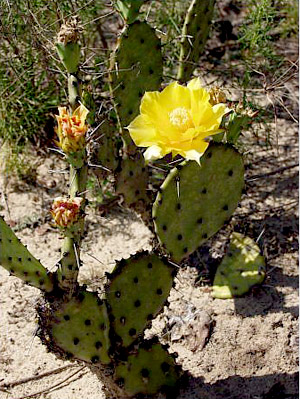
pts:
pixel 217 96
pixel 65 211
pixel 71 129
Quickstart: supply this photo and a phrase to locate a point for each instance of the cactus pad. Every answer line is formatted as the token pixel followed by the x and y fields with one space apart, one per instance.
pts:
pixel 137 291
pixel 69 55
pixel 104 149
pixel 149 371
pixel 136 68
pixel 194 36
pixel 132 182
pixel 196 201
pixel 241 268
pixel 80 327
pixel 16 258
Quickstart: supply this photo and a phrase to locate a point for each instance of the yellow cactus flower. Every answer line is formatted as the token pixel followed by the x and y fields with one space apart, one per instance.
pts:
pixel 71 128
pixel 177 120
pixel 65 211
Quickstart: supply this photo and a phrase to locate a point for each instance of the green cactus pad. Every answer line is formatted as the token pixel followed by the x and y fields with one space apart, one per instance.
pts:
pixel 149 371
pixel 80 327
pixel 16 258
pixel 132 182
pixel 136 68
pixel 194 36
pixel 69 55
pixel 137 291
pixel 242 268
pixel 195 201
pixel 104 151
pixel 129 9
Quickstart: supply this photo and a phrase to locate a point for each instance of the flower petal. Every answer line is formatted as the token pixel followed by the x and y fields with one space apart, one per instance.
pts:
pixel 195 155
pixel 174 96
pixel 199 105
pixel 62 111
pixel 153 152
pixel 81 112
pixel 190 134
pixel 149 104
pixel 212 118
pixel 152 109
pixel 156 115
pixel 142 131
pixel 195 84
pixel 220 110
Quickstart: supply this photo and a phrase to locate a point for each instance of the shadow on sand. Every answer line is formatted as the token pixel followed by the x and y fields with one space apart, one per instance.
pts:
pixel 274 386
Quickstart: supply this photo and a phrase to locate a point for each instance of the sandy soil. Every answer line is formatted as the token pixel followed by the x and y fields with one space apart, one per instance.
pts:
pixel 235 349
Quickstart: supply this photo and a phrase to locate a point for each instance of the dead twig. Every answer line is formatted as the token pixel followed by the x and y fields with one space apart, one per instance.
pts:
pixel 274 172
pixel 36 377
pixel 275 210
pixel 51 388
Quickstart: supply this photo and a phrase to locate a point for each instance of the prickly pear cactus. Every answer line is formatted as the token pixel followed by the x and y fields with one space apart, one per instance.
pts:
pixel 16 258
pixel 78 328
pixel 194 36
pixel 150 370
pixel 192 205
pixel 241 268
pixel 136 67
pixel 138 289
pixel 195 201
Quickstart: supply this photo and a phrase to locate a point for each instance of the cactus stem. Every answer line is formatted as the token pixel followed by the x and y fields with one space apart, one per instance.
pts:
pixel 68 272
pixel 74 90
pixel 69 264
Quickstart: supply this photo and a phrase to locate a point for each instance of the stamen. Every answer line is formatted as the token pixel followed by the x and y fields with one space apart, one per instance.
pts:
pixel 180 117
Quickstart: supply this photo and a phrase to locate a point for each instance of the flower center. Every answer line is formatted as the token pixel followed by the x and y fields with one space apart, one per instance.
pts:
pixel 180 117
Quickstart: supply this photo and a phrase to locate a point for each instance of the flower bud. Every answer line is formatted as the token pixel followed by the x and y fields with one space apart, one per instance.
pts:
pixel 67 45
